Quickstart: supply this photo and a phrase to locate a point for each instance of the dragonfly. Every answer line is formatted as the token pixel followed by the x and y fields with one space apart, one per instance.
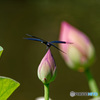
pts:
pixel 47 43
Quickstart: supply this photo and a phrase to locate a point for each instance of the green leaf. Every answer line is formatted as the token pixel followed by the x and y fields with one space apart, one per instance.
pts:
pixel 1 50
pixel 7 87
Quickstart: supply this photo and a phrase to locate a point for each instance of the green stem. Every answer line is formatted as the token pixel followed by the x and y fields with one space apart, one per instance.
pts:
pixel 46 91
pixel 92 83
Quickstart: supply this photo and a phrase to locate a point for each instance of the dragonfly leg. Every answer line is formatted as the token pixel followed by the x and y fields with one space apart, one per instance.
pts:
pixel 47 48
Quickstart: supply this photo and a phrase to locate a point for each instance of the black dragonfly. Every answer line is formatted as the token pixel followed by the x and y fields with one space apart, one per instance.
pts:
pixel 48 44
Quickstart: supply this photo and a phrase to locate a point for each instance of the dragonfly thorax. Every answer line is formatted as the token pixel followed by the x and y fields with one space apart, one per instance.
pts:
pixel 48 44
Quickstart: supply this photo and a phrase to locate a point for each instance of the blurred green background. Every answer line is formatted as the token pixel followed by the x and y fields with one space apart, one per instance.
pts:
pixel 42 18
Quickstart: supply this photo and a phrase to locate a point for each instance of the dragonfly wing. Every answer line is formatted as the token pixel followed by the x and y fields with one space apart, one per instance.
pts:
pixel 69 43
pixel 57 48
pixel 34 39
pixel 57 42
pixel 32 36
pixel 61 42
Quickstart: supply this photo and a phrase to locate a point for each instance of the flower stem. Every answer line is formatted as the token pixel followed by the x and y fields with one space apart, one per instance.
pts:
pixel 46 91
pixel 92 83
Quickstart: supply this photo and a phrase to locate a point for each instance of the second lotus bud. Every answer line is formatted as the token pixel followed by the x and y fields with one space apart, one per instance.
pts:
pixel 81 53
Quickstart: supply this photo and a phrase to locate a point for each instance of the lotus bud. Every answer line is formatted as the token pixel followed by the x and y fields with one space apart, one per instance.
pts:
pixel 47 68
pixel 79 55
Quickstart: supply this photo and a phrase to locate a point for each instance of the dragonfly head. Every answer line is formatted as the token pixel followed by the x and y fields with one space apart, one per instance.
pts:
pixel 48 44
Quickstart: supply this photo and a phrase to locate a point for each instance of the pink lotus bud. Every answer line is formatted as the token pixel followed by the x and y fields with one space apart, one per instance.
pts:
pixel 80 54
pixel 47 68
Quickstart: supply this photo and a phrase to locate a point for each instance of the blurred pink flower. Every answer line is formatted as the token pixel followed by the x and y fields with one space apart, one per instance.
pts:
pixel 80 54
pixel 47 68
